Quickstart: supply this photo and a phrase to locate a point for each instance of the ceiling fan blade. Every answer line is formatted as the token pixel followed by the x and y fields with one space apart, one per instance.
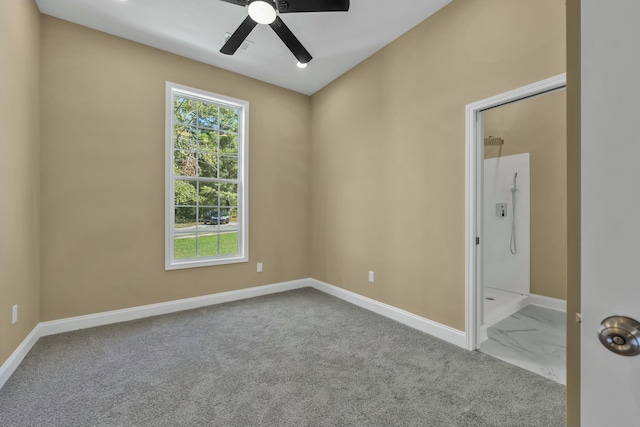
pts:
pixel 291 6
pixel 242 3
pixel 238 36
pixel 291 41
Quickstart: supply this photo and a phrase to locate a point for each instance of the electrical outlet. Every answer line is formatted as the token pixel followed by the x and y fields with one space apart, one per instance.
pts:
pixel 372 277
pixel 259 267
pixel 14 314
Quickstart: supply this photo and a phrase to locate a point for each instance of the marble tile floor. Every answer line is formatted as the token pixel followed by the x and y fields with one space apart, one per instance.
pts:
pixel 533 338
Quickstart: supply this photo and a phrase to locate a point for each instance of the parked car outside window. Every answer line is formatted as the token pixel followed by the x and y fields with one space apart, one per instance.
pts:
pixel 216 217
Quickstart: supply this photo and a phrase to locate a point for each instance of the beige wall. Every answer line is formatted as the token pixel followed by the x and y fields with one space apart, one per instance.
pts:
pixel 103 104
pixel 388 152
pixel 539 126
pixel 19 170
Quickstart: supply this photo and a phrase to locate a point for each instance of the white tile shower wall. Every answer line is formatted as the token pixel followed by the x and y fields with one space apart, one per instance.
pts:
pixel 501 269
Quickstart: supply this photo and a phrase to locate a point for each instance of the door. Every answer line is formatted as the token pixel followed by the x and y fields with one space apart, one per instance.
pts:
pixel 610 384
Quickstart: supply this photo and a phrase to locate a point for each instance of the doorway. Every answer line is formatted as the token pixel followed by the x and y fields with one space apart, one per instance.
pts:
pixel 500 249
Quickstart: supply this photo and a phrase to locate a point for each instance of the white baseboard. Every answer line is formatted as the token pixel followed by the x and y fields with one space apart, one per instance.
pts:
pixel 548 302
pixel 133 313
pixel 52 327
pixel 12 363
pixel 430 327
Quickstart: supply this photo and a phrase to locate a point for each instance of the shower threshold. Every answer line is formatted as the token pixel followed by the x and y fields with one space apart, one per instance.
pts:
pixel 499 305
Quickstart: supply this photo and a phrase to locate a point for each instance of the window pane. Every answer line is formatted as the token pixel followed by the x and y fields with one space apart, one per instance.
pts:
pixel 229 143
pixel 209 193
pixel 208 116
pixel 208 142
pixel 185 219
pixel 228 195
pixel 229 167
pixel 208 245
pixel 233 214
pixel 185 231
pixel 208 165
pixel 229 243
pixel 184 110
pixel 184 163
pixel 186 143
pixel 184 246
pixel 186 192
pixel 202 221
pixel 228 119
pixel 184 133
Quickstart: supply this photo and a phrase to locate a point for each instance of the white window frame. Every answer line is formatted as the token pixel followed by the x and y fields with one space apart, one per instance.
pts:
pixel 173 89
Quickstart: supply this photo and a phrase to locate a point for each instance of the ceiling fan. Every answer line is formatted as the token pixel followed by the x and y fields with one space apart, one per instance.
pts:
pixel 266 12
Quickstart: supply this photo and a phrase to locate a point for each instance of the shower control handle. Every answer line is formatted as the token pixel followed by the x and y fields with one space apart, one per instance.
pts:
pixel 620 335
pixel 501 210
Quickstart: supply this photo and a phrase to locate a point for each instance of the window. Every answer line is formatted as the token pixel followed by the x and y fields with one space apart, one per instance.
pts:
pixel 206 179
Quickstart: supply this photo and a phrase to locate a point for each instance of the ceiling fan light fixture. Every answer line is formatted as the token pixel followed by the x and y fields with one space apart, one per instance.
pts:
pixel 302 64
pixel 262 12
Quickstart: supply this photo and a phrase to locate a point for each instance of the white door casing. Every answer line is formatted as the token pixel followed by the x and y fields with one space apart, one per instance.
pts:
pixel 473 188
pixel 610 144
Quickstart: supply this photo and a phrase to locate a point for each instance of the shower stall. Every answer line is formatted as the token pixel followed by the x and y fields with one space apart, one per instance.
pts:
pixel 506 225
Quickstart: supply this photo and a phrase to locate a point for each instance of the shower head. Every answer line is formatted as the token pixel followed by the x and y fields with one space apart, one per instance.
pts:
pixel 514 189
pixel 493 142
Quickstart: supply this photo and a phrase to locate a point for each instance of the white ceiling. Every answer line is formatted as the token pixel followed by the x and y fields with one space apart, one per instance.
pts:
pixel 195 29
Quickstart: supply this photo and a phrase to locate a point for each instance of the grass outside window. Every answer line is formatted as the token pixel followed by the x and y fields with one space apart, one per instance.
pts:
pixel 185 247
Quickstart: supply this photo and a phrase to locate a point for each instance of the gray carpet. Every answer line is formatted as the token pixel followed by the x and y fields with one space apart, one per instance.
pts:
pixel 298 358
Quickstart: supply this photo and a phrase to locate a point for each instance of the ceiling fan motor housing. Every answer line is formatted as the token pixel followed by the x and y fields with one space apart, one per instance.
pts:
pixel 263 12
pixel 266 12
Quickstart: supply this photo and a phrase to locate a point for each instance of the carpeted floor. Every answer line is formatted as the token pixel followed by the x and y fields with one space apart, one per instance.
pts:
pixel 298 358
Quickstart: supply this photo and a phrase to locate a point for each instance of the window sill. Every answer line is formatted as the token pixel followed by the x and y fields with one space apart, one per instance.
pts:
pixel 195 263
